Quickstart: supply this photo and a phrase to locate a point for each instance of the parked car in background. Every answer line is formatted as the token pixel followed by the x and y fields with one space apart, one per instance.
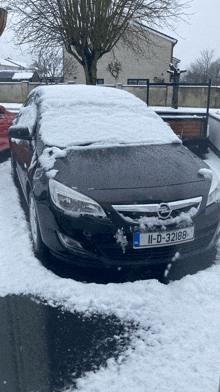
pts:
pixel 108 182
pixel 6 119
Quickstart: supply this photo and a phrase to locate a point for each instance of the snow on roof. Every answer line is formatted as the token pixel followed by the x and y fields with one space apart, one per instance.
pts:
pixel 10 63
pixel 3 62
pixel 22 75
pixel 100 116
pixel 16 63
pixel 163 35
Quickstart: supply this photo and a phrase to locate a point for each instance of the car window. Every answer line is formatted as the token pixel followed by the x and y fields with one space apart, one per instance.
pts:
pixel 28 116
pixel 29 100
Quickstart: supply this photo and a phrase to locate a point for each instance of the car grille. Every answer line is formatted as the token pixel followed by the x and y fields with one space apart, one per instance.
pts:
pixel 108 247
pixel 159 210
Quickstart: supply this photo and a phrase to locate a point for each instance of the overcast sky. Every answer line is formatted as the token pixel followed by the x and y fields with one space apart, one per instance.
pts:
pixel 202 32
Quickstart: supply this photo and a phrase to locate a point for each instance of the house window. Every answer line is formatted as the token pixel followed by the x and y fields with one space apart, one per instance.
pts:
pixel 137 82
pixel 99 81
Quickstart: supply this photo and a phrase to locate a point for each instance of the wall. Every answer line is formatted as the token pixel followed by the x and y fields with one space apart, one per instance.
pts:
pixel 159 95
pixel 189 96
pixel 15 92
pixel 214 131
pixel 187 128
pixel 155 65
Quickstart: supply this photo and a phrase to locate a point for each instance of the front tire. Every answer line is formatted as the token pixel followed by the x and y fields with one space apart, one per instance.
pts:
pixel 40 248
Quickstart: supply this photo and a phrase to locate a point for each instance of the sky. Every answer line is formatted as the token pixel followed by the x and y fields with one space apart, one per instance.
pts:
pixel 201 32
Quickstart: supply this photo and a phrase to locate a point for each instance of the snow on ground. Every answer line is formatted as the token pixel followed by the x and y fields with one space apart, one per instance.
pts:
pixel 177 345
pixel 12 107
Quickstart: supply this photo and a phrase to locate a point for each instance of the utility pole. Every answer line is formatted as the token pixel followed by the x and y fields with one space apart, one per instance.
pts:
pixel 175 72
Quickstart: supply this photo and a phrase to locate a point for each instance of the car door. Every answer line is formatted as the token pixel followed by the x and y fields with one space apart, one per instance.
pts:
pixel 24 153
pixel 24 149
pixel 6 119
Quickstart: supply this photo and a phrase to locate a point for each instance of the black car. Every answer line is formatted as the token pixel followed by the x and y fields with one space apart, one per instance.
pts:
pixel 108 182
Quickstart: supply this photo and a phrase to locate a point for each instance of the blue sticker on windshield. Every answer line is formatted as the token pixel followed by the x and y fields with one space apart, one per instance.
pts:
pixel 136 239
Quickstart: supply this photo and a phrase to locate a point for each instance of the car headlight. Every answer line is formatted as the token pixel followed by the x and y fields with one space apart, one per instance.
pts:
pixel 73 203
pixel 214 192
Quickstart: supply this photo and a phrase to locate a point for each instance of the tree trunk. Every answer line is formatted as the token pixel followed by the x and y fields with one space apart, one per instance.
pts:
pixel 90 70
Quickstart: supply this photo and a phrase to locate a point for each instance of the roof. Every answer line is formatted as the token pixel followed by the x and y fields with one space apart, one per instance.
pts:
pixel 3 62
pixel 19 64
pixel 6 74
pixel 173 40
pixel 12 75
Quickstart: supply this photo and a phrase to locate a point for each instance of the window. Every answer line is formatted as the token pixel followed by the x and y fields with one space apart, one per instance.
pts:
pixel 138 82
pixel 99 81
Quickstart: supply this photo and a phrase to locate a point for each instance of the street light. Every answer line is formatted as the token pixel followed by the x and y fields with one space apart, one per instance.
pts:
pixel 3 19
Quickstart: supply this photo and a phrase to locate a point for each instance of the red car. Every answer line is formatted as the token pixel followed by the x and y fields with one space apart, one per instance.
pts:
pixel 6 119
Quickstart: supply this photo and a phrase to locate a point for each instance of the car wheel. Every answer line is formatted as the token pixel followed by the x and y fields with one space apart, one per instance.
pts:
pixel 40 248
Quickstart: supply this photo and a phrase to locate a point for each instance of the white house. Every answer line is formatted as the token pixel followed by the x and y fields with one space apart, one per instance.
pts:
pixel 135 70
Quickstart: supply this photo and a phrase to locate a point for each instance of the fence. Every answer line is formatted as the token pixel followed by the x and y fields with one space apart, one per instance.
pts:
pixel 15 92
pixel 158 94
pixel 190 95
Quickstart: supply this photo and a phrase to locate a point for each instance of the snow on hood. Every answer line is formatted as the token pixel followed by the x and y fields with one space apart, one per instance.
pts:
pixel 98 116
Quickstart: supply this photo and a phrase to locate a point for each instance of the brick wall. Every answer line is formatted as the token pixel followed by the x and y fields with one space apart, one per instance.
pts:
pixel 188 128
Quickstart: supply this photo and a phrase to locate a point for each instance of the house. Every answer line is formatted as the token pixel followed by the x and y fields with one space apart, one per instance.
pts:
pixel 135 70
pixel 9 75
pixel 6 64
pixel 15 71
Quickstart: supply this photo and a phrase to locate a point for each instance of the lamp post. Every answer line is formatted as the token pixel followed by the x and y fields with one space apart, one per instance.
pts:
pixel 3 19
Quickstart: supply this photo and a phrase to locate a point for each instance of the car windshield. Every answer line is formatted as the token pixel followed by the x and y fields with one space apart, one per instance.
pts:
pixel 71 116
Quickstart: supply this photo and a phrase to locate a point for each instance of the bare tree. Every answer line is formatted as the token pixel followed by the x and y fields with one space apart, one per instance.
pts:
pixel 215 72
pixel 203 69
pixel 90 28
pixel 51 65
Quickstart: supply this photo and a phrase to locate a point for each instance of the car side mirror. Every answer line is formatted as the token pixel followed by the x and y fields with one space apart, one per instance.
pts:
pixel 19 132
pixel 2 110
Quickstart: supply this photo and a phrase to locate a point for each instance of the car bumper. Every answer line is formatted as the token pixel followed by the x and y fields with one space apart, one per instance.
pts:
pixel 94 243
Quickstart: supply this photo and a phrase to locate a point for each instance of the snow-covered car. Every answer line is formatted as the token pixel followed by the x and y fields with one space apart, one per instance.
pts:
pixel 108 182
pixel 6 119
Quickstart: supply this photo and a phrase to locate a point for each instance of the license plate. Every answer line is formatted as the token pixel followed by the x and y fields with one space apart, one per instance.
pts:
pixel 163 238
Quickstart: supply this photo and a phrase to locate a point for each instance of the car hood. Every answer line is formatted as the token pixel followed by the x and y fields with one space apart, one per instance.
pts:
pixel 127 168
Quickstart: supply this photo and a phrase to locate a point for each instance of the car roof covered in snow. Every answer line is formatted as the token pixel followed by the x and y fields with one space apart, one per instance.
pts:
pixel 81 115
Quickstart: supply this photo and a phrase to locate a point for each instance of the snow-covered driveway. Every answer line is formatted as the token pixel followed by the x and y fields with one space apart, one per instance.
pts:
pixel 177 345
